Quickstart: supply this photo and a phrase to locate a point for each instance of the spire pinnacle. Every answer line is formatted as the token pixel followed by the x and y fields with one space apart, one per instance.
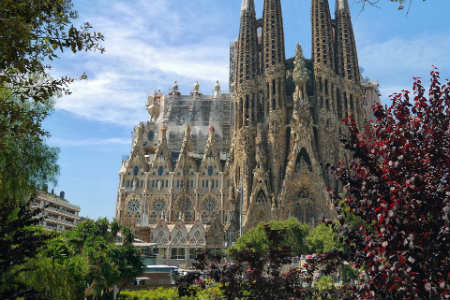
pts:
pixel 347 58
pixel 342 5
pixel 323 48
pixel 187 132
pixel 248 5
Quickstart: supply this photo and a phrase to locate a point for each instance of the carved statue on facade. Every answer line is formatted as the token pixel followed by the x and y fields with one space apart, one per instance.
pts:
pixel 196 90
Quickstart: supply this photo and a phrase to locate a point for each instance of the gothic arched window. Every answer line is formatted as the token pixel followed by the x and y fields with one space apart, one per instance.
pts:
pixel 210 205
pixel 184 204
pixel 260 111
pixel 303 194
pixel 151 135
pixel 303 155
pixel 136 171
pixel 188 216
pixel 261 198
pixel 339 104
pixel 197 236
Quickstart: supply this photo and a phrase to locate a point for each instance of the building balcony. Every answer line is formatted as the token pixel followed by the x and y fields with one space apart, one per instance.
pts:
pixel 62 213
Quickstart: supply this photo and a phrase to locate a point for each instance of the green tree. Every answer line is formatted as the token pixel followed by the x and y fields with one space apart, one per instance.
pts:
pixel 25 162
pixel 86 262
pixel 32 33
pixel 256 239
pixel 321 239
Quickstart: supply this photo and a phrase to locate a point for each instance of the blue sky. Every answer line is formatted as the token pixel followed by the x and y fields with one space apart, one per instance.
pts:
pixel 151 43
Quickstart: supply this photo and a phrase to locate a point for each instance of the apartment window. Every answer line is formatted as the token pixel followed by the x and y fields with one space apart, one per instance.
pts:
pixel 177 253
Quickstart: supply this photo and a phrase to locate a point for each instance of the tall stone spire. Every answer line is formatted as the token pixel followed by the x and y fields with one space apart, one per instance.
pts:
pixel 246 95
pixel 273 34
pixel 247 66
pixel 346 57
pixel 322 43
pixel 276 95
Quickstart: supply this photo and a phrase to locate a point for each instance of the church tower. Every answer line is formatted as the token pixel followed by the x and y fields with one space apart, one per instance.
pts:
pixel 274 63
pixel 347 59
pixel 246 92
pixel 322 35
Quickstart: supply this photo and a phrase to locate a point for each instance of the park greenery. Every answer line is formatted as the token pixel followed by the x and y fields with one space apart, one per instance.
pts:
pixel 84 263
pixel 299 237
pixel 160 293
pixel 257 241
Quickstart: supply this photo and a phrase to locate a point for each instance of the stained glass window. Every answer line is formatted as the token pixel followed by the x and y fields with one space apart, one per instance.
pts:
pixel 151 135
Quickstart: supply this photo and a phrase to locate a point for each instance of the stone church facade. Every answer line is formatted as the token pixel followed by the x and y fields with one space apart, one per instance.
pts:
pixel 204 168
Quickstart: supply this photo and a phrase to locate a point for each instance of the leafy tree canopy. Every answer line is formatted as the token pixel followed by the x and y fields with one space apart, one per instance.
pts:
pixel 256 239
pixel 86 262
pixel 32 34
pixel 321 239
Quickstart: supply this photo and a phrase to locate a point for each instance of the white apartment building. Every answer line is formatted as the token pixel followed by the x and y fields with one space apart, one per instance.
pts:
pixel 59 214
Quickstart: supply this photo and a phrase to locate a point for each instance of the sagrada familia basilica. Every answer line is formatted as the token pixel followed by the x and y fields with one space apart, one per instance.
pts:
pixel 205 168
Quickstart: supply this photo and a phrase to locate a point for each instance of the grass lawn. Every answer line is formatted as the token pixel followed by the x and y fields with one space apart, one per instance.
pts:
pixel 162 293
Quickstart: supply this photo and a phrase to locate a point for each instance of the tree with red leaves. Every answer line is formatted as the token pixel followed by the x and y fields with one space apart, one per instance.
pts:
pixel 398 185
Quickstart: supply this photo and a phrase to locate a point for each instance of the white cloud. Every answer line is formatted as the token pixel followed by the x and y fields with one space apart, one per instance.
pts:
pixel 406 55
pixel 147 48
pixel 395 61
